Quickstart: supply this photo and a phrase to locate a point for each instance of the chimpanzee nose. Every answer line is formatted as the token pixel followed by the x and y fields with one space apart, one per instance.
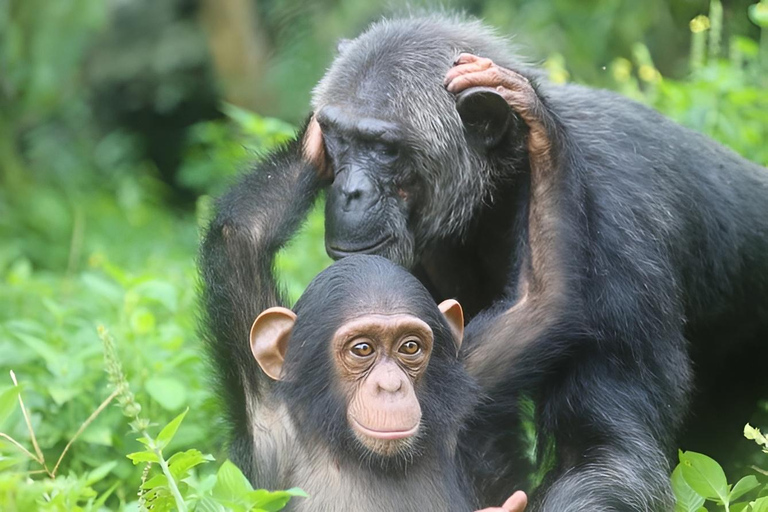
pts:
pixel 357 190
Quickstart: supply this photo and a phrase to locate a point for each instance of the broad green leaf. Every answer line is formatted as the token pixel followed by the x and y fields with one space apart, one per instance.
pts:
pixel 754 434
pixel 98 434
pixel 739 507
pixel 169 393
pixel 760 505
pixel 231 484
pixel 159 480
pixel 704 475
pixel 686 499
pixel 182 462
pixel 165 435
pixel 272 501
pixel 100 472
pixel 102 287
pixel 139 457
pixel 7 462
pixel 743 486
pixel 62 394
pixel 209 505
pixel 9 398
pixel 160 291
pixel 99 503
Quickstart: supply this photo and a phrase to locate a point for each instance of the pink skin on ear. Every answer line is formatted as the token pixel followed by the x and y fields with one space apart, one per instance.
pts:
pixel 453 313
pixel 269 339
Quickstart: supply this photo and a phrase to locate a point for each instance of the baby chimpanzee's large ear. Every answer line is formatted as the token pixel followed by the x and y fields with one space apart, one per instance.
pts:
pixel 269 339
pixel 453 313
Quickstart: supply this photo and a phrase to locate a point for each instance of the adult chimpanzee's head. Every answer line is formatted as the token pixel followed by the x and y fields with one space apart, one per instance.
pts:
pixel 367 363
pixel 397 141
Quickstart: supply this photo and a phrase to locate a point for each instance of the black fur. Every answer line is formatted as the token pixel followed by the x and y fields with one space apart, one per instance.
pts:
pixel 656 239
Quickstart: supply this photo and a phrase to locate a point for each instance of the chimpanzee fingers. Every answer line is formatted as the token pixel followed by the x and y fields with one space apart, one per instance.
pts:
pixel 466 58
pixel 467 67
pixel 492 77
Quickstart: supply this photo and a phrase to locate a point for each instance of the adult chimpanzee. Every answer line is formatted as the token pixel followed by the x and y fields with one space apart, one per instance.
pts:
pixel 370 403
pixel 588 238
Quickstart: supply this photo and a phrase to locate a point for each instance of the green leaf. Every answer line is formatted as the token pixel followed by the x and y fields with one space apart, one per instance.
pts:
pixel 743 486
pixel 99 503
pixel 182 462
pixel 231 484
pixel 8 399
pixel 139 457
pixel 169 393
pixel 272 501
pixel 166 435
pixel 156 481
pixel 760 505
pixel 754 434
pixel 160 291
pixel 209 505
pixel 8 462
pixel 686 499
pixel 758 13
pixel 704 475
pixel 100 472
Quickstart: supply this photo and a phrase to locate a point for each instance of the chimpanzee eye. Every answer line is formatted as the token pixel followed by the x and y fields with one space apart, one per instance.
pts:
pixel 384 150
pixel 410 348
pixel 362 350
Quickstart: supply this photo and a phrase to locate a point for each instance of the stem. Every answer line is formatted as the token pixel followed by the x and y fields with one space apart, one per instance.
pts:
pixel 167 472
pixel 19 446
pixel 82 428
pixel 40 458
pixel 716 28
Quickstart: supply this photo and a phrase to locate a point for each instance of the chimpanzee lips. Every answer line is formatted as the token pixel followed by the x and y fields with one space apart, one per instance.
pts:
pixel 337 252
pixel 386 435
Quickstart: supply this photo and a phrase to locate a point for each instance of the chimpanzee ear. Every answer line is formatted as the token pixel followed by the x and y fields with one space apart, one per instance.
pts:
pixel 269 339
pixel 453 313
pixel 486 116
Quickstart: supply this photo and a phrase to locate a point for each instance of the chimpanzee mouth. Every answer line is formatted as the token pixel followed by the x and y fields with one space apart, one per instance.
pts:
pixel 385 435
pixel 337 252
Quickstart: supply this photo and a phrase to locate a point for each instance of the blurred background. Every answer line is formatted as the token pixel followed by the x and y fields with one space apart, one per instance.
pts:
pixel 120 119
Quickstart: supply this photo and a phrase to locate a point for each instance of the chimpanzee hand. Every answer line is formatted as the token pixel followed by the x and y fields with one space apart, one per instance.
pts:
pixel 516 503
pixel 314 151
pixel 472 71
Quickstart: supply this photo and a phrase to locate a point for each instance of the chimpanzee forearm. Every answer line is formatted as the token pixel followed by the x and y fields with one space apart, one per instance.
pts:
pixel 611 453
pixel 251 223
pixel 548 293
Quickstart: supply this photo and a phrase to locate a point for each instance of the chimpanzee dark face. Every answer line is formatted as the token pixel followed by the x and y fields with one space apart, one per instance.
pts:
pixel 373 195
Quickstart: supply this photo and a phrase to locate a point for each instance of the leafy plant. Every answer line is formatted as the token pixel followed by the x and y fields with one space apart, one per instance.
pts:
pixel 698 479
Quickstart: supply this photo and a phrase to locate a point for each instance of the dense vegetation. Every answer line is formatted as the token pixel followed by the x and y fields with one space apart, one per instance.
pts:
pixel 99 231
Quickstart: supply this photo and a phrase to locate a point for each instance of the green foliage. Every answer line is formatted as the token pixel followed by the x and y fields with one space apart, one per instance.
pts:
pixel 698 479
pixel 89 239
pixel 724 97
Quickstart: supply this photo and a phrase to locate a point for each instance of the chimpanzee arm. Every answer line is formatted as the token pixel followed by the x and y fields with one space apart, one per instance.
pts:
pixel 251 223
pixel 548 288
pixel 609 413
